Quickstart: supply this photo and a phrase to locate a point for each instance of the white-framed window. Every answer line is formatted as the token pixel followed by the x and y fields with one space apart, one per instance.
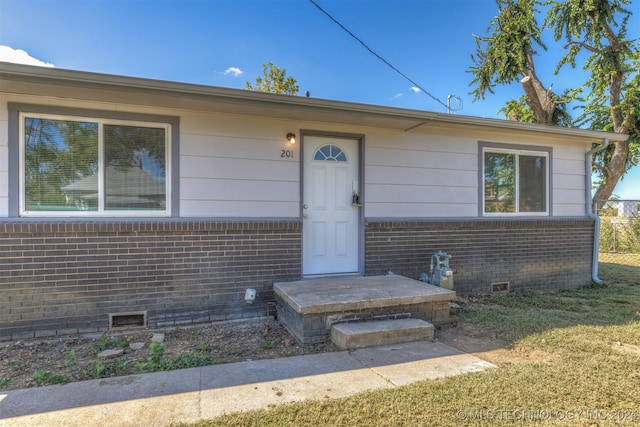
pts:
pixel 515 182
pixel 86 166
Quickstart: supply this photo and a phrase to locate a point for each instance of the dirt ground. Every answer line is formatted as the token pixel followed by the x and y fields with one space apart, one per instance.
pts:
pixel 468 338
pixel 58 360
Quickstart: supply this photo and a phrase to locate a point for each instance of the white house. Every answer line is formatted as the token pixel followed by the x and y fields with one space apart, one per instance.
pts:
pixel 128 195
pixel 621 208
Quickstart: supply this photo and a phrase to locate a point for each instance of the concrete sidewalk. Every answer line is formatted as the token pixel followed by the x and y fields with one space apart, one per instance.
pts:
pixel 188 395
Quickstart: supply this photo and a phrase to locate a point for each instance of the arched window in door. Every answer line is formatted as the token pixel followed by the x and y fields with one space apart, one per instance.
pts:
pixel 330 152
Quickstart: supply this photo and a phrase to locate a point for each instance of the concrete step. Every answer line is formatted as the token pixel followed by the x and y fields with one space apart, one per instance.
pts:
pixel 379 332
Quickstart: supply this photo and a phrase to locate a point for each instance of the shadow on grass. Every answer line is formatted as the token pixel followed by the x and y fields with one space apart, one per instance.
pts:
pixel 619 274
pixel 512 317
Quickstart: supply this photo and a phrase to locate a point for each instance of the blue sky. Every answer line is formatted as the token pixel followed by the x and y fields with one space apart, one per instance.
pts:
pixel 226 42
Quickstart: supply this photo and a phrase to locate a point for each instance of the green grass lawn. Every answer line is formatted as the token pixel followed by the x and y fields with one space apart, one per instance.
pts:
pixel 586 370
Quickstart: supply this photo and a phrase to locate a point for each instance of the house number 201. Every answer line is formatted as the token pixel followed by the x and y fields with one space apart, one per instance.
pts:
pixel 286 153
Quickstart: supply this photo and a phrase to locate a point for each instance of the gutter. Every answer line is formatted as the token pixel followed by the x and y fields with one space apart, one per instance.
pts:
pixel 590 214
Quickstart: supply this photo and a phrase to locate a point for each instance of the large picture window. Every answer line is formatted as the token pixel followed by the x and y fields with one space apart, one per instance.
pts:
pixel 515 182
pixel 84 166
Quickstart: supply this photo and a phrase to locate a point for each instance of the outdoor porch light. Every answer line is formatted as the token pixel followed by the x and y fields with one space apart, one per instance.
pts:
pixel 291 137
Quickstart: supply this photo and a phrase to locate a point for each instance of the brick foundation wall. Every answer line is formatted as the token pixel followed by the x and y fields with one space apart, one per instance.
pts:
pixel 60 278
pixel 530 254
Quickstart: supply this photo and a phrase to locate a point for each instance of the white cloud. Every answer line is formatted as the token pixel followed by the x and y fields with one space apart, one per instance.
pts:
pixel 397 95
pixel 416 89
pixel 19 56
pixel 234 71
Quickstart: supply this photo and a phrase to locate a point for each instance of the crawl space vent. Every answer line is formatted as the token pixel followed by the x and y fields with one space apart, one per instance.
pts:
pixel 133 320
pixel 500 287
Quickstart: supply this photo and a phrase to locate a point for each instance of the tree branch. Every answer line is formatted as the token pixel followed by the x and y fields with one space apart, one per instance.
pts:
pixel 598 167
pixel 584 45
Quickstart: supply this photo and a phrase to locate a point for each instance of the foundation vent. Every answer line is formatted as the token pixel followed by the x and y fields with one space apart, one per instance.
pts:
pixel 500 287
pixel 130 320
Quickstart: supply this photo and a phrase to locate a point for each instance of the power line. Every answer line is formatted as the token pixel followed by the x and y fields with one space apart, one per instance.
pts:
pixel 447 106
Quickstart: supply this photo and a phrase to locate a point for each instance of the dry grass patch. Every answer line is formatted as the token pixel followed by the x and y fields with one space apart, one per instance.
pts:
pixel 626 348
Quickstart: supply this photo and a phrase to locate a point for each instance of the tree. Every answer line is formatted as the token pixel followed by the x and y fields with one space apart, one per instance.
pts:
pixel 57 152
pixel 518 110
pixel 274 81
pixel 611 92
pixel 507 55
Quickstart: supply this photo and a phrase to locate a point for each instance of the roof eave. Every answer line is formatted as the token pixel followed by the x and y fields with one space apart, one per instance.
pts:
pixel 416 118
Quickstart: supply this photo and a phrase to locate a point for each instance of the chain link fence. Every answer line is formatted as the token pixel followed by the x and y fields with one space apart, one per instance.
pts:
pixel 619 225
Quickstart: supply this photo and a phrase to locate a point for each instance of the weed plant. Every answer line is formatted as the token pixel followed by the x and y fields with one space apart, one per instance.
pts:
pixel 158 362
pixel 5 382
pixel 42 377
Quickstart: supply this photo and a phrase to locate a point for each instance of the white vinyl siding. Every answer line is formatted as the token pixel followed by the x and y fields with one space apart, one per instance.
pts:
pixel 233 167
pixel 420 175
pixel 569 190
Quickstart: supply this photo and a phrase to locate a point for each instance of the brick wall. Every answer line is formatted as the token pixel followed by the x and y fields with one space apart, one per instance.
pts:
pixel 66 277
pixel 528 253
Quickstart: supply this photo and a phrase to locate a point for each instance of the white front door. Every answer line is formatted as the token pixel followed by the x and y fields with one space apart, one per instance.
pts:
pixel 330 231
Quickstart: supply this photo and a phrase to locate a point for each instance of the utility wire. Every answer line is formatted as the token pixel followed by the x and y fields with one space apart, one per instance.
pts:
pixel 378 56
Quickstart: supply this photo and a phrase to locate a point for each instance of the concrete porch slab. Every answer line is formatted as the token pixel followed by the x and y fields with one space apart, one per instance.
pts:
pixel 337 294
pixel 309 308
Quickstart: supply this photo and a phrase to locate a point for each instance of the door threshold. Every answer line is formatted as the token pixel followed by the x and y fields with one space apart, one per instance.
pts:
pixel 330 275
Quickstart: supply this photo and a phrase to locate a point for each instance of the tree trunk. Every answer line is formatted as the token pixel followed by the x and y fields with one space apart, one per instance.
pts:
pixel 538 98
pixel 616 166
pixel 613 170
